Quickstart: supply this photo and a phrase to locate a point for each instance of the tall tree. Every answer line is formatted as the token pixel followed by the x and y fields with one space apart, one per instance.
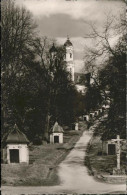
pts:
pixel 111 76
pixel 18 31
pixel 103 46
pixel 35 85
pixel 114 78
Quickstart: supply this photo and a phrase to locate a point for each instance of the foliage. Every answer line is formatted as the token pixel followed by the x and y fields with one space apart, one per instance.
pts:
pixel 62 91
pixel 111 76
pixel 36 88
pixel 114 76
pixel 92 98
pixel 18 30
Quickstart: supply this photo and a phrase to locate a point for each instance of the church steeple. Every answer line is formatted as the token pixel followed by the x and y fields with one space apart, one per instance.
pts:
pixel 69 57
pixel 53 50
pixel 68 42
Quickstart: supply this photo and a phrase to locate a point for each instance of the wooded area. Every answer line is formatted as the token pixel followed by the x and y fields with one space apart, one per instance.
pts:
pixel 36 88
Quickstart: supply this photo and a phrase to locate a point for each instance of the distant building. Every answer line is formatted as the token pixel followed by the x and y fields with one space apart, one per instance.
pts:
pixel 109 147
pixel 53 51
pixel 56 134
pixel 81 88
pixel 80 80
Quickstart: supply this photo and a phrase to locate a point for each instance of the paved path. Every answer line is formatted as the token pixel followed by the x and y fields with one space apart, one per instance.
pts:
pixel 73 175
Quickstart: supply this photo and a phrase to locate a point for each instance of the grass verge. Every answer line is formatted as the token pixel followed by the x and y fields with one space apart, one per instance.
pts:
pixel 98 163
pixel 44 160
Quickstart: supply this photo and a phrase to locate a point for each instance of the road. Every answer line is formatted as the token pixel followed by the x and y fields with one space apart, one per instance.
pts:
pixel 73 175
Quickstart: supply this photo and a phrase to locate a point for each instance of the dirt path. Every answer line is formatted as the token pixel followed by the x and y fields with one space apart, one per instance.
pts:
pixel 73 175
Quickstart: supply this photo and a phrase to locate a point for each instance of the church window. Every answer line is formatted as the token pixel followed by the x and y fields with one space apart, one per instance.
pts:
pixel 70 55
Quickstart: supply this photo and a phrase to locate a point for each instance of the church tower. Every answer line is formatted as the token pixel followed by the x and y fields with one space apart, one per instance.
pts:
pixel 69 57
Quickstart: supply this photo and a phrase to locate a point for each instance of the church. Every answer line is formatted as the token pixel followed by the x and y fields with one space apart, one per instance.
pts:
pixel 69 58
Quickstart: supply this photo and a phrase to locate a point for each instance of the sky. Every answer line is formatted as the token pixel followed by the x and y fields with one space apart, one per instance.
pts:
pixel 58 18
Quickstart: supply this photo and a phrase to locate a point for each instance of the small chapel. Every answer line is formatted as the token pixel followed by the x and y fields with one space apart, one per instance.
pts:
pixel 56 134
pixel 16 147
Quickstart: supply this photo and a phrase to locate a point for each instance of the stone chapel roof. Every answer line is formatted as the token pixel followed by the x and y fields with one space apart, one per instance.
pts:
pixel 53 49
pixel 68 42
pixel 16 136
pixel 57 128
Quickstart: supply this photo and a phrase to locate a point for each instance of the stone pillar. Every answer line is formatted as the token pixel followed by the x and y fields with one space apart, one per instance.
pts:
pixel 76 126
pixel 118 151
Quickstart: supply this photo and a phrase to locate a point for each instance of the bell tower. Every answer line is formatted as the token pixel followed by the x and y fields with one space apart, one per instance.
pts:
pixel 69 57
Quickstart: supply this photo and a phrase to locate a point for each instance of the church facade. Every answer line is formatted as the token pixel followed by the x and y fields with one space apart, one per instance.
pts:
pixel 76 77
pixel 69 59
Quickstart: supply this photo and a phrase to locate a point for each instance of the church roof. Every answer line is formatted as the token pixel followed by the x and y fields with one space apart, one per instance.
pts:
pixel 53 49
pixel 16 136
pixel 68 42
pixel 57 128
pixel 81 78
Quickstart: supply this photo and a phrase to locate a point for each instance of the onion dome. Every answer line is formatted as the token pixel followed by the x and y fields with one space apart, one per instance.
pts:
pixel 53 49
pixel 16 136
pixel 67 43
pixel 57 128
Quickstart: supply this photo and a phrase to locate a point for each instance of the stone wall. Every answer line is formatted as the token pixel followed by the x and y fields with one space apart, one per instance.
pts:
pixel 117 179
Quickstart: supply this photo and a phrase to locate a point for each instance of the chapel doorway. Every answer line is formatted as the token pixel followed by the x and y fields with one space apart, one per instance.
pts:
pixel 73 126
pixel 84 118
pixel 14 156
pixel 56 139
pixel 111 149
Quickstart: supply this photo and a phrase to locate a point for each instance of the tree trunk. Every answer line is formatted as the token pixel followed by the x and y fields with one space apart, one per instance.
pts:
pixel 102 147
pixel 46 133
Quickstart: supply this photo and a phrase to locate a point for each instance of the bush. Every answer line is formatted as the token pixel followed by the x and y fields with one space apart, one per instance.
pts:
pixel 37 141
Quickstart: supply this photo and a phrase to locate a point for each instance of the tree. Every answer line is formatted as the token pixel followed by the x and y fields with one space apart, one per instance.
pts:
pixel 111 77
pixel 23 79
pixel 35 85
pixel 18 30
pixel 61 91
pixel 92 98
pixel 114 77
pixel 102 48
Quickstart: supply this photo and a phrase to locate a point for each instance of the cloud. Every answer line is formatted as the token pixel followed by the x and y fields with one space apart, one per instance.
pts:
pixel 78 42
pixel 59 18
pixel 81 9
pixel 78 45
pixel 61 25
pixel 79 65
pixel 51 7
